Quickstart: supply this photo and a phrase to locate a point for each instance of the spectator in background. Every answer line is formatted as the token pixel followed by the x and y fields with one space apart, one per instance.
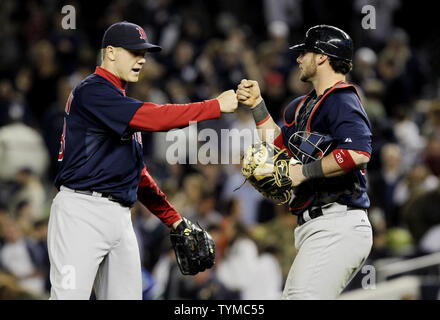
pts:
pixel 243 269
pixel 423 213
pixel 151 233
pixel 409 139
pixel 163 23
pixel 277 236
pixel 417 180
pixel 173 180
pixel 191 193
pixel 31 190
pixel 286 12
pixel 23 216
pixel 401 72
pixel 67 45
pixel 19 258
pixel 39 251
pixel 372 89
pixel 432 124
pixel 229 65
pixel 44 74
pixel 12 107
pixel 275 94
pixel 10 59
pixel 383 184
pixel 214 176
pixel 204 211
pixel 249 198
pixel 165 274
pixel 182 69
pixel 231 217
pixel 364 66
pixel 431 154
pixel 21 147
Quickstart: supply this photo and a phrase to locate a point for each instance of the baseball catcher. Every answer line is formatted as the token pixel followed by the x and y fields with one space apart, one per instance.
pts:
pixel 328 134
pixel 193 246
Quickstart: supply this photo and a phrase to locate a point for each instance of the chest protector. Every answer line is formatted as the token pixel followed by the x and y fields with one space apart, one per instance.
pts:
pixel 308 146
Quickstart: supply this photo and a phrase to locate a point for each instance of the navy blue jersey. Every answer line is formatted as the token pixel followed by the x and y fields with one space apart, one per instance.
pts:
pixel 99 152
pixel 340 115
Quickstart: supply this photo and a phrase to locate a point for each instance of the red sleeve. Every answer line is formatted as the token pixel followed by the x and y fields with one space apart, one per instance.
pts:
pixel 279 142
pixel 154 117
pixel 345 160
pixel 155 200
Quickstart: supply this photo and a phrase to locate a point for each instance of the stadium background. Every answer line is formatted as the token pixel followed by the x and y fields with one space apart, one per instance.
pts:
pixel 209 46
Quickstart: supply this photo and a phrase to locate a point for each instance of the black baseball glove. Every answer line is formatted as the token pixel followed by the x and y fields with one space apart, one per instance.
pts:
pixel 194 248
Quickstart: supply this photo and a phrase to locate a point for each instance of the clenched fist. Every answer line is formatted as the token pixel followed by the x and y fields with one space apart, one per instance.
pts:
pixel 228 101
pixel 248 93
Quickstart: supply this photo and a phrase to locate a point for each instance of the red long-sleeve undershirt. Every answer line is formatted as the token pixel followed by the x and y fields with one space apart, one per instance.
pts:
pixel 279 142
pixel 150 195
pixel 154 117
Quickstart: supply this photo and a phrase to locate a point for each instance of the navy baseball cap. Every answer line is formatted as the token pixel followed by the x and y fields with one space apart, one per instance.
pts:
pixel 128 36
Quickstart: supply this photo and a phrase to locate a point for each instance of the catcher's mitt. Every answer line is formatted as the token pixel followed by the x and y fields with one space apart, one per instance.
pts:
pixel 267 168
pixel 194 248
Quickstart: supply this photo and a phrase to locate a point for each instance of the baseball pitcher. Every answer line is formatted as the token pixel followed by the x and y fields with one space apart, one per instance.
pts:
pixel 316 162
pixel 91 240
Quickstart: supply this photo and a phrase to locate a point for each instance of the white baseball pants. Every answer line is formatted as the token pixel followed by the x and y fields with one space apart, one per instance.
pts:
pixel 92 243
pixel 330 251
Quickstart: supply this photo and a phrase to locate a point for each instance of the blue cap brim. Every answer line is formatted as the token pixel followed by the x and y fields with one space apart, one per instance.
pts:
pixel 141 46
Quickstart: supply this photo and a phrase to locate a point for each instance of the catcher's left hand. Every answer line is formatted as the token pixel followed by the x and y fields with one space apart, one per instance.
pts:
pixel 267 168
pixel 193 246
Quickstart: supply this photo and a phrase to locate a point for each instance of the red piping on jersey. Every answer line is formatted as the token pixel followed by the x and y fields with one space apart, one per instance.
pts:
pixel 299 104
pixel 338 85
pixel 117 82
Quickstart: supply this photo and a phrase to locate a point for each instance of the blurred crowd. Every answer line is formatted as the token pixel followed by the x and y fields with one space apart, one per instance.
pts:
pixel 208 47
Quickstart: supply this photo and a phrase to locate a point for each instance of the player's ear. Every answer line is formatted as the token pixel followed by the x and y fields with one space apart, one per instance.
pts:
pixel 322 58
pixel 110 53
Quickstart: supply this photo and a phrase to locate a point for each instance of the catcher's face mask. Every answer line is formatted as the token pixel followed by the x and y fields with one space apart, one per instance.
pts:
pixel 309 146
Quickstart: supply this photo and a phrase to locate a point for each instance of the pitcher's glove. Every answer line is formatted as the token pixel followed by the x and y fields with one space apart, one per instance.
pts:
pixel 267 168
pixel 193 246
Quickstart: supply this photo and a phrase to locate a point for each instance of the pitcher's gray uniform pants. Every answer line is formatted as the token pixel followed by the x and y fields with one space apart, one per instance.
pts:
pixel 330 251
pixel 91 242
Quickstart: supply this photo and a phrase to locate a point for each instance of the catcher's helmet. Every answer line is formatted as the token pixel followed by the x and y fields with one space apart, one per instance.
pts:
pixel 327 40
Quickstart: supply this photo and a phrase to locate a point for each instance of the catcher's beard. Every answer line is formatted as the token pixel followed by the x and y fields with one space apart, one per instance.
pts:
pixel 309 71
